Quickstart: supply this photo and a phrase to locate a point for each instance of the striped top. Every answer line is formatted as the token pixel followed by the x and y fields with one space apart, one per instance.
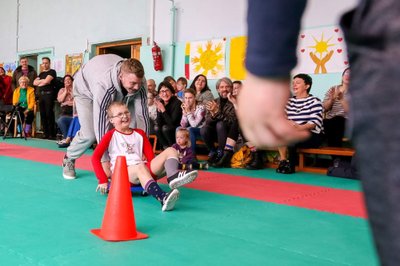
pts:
pixel 337 107
pixel 306 110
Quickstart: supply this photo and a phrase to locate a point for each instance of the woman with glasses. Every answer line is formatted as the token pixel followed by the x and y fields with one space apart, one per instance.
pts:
pixel 169 114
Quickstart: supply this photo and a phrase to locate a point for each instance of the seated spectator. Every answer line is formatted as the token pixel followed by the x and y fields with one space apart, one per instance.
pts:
pixel 221 125
pixel 336 107
pixel 256 161
pixel 181 85
pixel 305 111
pixel 187 159
pixel 182 146
pixel 169 114
pixel 151 86
pixel 171 81
pixel 74 127
pixel 152 111
pixel 203 92
pixel 24 100
pixel 193 116
pixel 6 92
pixel 66 100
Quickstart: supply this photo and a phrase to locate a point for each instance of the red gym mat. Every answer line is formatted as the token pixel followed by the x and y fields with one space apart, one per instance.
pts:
pixel 338 201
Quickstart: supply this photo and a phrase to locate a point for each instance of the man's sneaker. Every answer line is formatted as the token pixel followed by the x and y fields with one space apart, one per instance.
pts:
pixel 182 178
pixel 169 200
pixel 68 168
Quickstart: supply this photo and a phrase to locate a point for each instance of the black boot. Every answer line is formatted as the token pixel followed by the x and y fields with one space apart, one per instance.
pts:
pixel 285 167
pixel 256 162
pixel 214 156
pixel 225 161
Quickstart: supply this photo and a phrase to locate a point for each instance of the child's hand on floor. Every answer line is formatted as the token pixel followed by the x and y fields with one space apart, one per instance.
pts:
pixel 102 188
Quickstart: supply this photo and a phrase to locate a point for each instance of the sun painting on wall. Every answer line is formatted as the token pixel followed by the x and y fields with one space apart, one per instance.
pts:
pixel 208 58
pixel 319 54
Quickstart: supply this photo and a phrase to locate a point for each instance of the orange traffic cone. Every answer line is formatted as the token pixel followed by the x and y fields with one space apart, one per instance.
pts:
pixel 119 220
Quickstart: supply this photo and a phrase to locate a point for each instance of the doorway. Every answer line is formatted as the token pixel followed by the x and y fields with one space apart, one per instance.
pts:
pixel 125 49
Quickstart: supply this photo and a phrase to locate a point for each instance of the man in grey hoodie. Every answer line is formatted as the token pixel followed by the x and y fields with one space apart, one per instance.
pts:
pixel 102 80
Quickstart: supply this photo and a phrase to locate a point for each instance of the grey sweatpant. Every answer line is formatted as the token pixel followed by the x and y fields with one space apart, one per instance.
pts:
pixel 373 37
pixel 85 137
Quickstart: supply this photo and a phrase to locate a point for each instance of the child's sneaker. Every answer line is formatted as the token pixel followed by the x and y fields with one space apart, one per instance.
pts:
pixel 169 200
pixel 68 168
pixel 182 178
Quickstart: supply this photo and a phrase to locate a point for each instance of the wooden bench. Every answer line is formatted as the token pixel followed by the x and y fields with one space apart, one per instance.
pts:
pixel 153 140
pixel 321 151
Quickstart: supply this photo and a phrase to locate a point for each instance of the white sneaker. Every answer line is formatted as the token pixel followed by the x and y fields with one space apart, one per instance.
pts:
pixel 182 178
pixel 170 199
pixel 68 168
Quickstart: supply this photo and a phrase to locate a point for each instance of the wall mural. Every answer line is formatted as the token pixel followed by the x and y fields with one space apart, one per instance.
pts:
pixel 321 50
pixel 205 57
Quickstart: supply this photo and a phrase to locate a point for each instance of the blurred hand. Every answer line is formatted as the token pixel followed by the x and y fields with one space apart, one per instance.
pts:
pixel 261 113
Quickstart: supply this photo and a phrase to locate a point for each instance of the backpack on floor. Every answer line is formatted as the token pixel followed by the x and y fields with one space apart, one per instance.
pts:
pixel 241 158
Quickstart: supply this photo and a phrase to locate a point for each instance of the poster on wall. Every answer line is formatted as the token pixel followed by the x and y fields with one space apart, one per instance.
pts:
pixel 205 57
pixel 73 63
pixel 9 68
pixel 58 65
pixel 321 50
pixel 237 70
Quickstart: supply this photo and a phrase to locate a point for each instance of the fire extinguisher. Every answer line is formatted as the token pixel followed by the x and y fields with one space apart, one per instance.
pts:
pixel 157 57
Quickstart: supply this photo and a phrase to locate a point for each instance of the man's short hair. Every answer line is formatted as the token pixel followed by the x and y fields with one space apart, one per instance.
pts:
pixel 46 58
pixel 134 66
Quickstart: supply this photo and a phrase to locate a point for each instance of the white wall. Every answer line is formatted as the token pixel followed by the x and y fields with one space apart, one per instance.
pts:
pixel 65 26
pixel 200 20
pixel 8 25
pixel 325 13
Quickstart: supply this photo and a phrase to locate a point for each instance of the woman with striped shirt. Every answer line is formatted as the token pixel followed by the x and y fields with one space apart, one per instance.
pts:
pixel 336 107
pixel 305 112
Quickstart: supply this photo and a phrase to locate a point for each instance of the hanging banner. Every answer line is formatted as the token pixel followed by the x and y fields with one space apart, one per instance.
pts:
pixel 237 70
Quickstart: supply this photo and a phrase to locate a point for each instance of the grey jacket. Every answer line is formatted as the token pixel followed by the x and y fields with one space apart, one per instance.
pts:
pixel 98 80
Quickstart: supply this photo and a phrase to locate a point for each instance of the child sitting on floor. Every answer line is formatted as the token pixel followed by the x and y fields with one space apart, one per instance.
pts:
pixel 143 167
pixel 186 157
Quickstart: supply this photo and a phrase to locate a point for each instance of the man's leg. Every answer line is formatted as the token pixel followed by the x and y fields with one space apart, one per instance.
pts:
pixel 83 139
pixel 375 116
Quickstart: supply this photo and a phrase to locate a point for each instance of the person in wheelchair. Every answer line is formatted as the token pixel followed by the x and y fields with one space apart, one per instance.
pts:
pixel 24 102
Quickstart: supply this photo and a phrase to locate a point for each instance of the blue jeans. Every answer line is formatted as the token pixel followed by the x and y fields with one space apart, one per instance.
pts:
pixel 63 124
pixel 194 135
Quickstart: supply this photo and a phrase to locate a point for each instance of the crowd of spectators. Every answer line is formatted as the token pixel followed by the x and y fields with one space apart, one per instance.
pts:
pixel 174 105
